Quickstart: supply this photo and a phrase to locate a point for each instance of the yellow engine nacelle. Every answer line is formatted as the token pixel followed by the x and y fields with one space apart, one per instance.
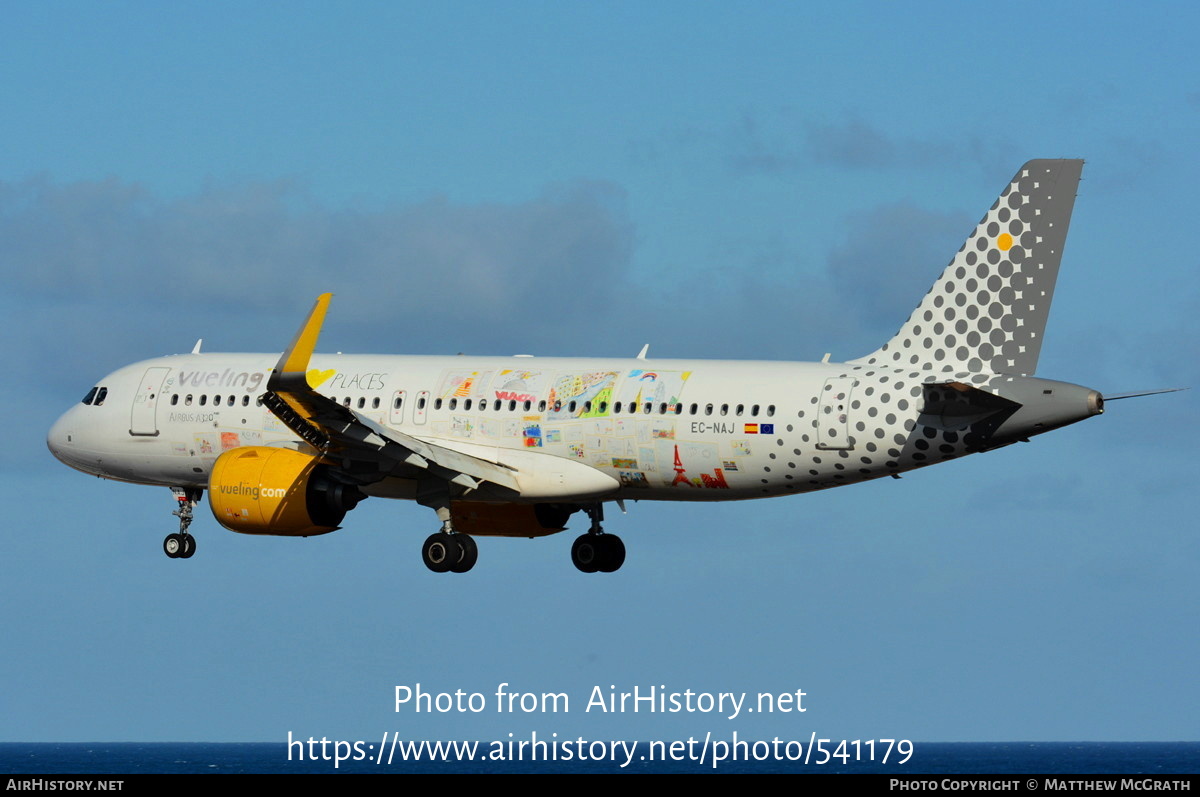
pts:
pixel 261 490
pixel 509 520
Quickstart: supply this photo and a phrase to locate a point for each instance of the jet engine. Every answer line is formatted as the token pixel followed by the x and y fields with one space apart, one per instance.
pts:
pixel 509 520
pixel 262 490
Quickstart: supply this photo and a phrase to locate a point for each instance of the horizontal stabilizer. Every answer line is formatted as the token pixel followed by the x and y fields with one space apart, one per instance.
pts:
pixel 951 406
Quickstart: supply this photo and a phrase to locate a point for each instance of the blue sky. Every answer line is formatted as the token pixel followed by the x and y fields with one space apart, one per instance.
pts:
pixel 754 180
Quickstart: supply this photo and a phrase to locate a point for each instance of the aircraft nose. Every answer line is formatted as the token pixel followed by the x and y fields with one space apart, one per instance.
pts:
pixel 59 438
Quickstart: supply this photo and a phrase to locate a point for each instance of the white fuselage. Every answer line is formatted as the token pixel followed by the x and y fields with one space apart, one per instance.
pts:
pixel 659 429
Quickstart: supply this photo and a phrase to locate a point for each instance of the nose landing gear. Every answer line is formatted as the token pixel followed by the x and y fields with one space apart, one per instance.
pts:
pixel 183 545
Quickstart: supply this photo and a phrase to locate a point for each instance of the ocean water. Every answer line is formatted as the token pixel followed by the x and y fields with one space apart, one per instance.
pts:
pixel 965 758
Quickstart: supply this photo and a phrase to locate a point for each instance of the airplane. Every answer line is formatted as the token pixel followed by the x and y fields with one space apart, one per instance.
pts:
pixel 514 446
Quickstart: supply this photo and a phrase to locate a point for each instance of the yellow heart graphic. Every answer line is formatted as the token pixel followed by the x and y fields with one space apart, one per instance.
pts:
pixel 317 378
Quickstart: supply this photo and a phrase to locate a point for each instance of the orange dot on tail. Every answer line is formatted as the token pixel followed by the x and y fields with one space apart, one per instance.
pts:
pixel 1004 242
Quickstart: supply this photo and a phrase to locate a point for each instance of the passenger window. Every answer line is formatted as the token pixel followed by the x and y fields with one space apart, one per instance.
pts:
pixel 617 408
pixel 739 409
pixel 346 401
pixel 203 399
pixel 188 400
pixel 421 403
pixel 571 407
pixel 724 409
pixel 217 400
pixel 375 403
pixel 453 403
pixel 558 406
pixel 103 394
pixel 528 405
pixel 708 409
pixel 754 410
pixel 603 406
pixel 662 408
pixel 245 401
pixel 647 408
pixel 678 409
pixel 231 400
pixel 437 404
pixel 587 406
pixel 770 410
pixel 467 404
pixel 512 404
pixel 174 399
pixel 496 405
pixel 362 402
pixel 692 409
pixel 541 406
pixel 396 404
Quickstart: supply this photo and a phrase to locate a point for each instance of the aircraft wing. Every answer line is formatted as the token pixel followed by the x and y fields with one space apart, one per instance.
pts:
pixel 363 450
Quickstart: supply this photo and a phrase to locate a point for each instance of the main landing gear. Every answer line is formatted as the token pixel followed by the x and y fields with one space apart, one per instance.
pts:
pixel 183 545
pixel 451 551
pixel 447 552
pixel 596 551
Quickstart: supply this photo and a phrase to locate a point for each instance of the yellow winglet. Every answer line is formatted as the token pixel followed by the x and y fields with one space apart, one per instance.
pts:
pixel 295 359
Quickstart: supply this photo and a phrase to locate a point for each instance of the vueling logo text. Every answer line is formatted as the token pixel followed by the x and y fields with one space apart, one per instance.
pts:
pixel 250 491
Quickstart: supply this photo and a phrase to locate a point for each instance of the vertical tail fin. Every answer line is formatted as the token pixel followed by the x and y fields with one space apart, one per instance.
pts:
pixel 988 310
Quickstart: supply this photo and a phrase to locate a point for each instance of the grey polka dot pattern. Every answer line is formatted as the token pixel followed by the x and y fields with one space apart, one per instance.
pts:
pixel 987 312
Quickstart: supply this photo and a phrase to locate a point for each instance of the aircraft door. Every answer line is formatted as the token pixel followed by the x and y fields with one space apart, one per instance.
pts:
pixel 421 407
pixel 144 418
pixel 399 399
pixel 833 414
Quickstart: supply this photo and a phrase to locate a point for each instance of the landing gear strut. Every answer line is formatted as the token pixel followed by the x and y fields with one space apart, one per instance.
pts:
pixel 597 551
pixel 183 545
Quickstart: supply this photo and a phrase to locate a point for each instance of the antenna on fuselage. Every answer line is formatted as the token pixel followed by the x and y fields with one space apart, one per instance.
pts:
pixel 196 348
pixel 642 353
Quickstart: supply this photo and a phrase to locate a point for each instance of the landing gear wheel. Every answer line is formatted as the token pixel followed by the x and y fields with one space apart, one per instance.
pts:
pixel 189 546
pixel 440 551
pixel 173 545
pixel 468 553
pixel 612 553
pixel 585 553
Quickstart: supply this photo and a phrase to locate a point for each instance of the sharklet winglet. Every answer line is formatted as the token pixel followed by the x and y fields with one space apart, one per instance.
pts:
pixel 294 361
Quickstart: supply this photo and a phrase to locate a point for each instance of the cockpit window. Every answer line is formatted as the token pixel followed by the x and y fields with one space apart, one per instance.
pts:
pixel 100 396
pixel 90 395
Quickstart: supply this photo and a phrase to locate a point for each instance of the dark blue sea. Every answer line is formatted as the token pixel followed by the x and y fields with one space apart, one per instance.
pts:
pixel 959 758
